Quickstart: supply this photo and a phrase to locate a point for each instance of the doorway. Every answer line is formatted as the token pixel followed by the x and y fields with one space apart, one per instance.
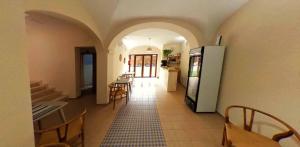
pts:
pixel 143 65
pixel 87 70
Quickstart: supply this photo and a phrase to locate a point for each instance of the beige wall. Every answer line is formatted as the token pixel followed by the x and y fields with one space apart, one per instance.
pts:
pixel 262 61
pixel 184 63
pixel 117 67
pixel 51 50
pixel 16 120
pixel 102 74
pixel 175 46
pixel 74 9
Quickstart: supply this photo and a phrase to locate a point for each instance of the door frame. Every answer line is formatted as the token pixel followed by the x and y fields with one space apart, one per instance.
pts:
pixel 143 58
pixel 79 52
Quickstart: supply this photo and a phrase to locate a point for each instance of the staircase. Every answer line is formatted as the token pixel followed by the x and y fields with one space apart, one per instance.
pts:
pixel 42 92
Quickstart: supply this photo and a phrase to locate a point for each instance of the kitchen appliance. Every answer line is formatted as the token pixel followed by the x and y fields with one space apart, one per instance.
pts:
pixel 205 68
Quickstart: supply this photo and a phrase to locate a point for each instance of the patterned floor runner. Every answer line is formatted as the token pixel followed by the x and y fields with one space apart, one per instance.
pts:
pixel 136 124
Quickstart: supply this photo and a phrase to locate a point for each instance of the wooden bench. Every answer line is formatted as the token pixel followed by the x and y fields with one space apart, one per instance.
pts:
pixel 244 137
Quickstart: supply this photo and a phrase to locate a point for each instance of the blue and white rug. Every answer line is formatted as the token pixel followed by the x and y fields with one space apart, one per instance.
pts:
pixel 137 124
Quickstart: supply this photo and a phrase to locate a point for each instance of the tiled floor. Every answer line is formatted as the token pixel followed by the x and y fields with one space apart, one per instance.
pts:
pixel 180 125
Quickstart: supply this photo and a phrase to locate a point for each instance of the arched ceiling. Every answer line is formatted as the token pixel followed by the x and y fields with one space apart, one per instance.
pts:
pixel 151 37
pixel 207 15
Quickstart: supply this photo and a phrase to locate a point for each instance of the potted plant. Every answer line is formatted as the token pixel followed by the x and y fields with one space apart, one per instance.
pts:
pixel 166 53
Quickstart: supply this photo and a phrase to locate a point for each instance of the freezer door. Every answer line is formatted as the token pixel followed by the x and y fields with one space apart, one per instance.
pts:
pixel 193 81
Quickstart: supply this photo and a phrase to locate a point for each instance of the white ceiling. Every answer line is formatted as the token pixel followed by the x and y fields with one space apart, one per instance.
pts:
pixel 151 37
pixel 207 15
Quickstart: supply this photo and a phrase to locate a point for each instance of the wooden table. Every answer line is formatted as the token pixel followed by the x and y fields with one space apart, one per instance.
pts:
pixel 43 109
pixel 130 74
pixel 126 82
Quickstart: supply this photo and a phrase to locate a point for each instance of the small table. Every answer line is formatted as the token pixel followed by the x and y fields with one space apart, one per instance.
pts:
pixel 130 74
pixel 126 82
pixel 43 109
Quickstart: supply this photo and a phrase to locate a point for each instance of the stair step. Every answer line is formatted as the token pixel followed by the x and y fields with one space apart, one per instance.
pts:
pixel 35 83
pixel 60 98
pixel 49 97
pixel 38 88
pixel 42 93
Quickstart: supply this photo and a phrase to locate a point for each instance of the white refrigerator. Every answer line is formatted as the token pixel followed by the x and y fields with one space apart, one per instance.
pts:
pixel 204 75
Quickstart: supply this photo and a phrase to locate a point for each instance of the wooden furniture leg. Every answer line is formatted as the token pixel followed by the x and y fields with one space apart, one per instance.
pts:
pixel 115 99
pixel 127 93
pixel 62 115
pixel 82 139
pixel 224 135
pixel 39 124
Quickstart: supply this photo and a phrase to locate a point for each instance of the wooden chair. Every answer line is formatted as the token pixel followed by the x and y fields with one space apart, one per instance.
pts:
pixel 55 145
pixel 67 132
pixel 117 90
pixel 244 137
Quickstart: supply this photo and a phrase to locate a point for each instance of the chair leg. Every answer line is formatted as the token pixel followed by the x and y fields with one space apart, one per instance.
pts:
pixel 39 124
pixel 114 103
pixel 126 97
pixel 127 94
pixel 82 139
pixel 115 99
pixel 223 139
pixel 130 87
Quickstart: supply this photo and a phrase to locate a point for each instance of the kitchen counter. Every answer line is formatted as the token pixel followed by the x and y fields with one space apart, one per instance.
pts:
pixel 168 78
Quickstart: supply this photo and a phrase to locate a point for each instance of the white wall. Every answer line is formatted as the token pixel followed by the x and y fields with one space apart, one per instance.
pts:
pixel 262 62
pixel 16 128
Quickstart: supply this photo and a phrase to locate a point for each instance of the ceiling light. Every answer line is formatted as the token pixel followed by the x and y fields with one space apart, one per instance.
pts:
pixel 180 38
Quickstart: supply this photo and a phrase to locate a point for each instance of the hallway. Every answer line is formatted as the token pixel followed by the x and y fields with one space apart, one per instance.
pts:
pixel 181 126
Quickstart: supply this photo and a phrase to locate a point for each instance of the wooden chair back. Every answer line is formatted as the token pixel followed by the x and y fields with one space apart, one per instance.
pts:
pixel 117 90
pixel 55 145
pixel 248 126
